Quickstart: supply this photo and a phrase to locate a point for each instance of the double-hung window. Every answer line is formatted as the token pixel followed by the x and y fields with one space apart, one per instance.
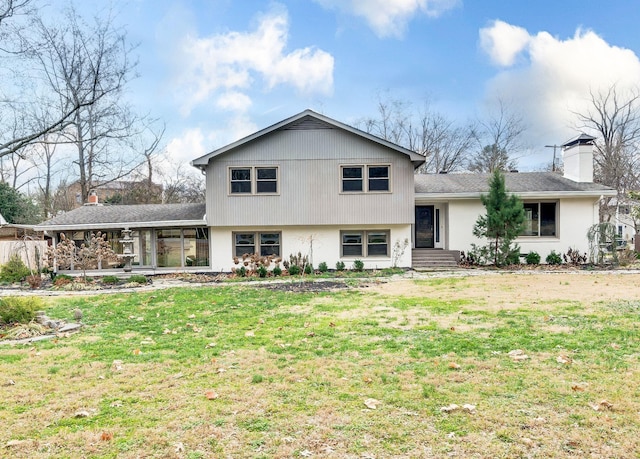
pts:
pixel 241 180
pixel 540 219
pixel 360 243
pixel 262 243
pixel 253 180
pixel 361 178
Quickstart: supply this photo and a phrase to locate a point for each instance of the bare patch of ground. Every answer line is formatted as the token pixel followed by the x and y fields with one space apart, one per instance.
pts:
pixel 510 290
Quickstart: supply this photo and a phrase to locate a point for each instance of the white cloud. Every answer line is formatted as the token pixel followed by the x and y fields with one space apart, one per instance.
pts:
pixel 229 65
pixel 552 79
pixel 189 146
pixel 389 18
pixel 503 42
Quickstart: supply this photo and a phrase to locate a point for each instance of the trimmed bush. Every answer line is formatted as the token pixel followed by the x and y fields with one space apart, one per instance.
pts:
pixel 262 271
pixel 110 280
pixel 19 309
pixel 14 270
pixel 340 266
pixel 277 271
pixel 308 269
pixel 533 258
pixel 294 270
pixel 138 279
pixel 323 268
pixel 554 258
pixel 358 265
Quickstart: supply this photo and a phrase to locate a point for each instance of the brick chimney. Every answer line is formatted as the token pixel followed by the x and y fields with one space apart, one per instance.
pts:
pixel 577 156
pixel 93 198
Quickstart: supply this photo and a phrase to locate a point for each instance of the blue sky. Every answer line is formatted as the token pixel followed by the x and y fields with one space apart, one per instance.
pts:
pixel 217 70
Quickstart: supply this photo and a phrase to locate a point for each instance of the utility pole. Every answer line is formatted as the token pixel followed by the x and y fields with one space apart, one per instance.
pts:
pixel 553 166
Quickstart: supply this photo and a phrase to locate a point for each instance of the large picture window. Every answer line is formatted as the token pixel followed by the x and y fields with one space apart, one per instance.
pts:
pixel 540 219
pixel 360 179
pixel 253 180
pixel 360 243
pixel 263 243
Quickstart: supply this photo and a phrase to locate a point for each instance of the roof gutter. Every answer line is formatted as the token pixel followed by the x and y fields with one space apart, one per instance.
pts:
pixel 122 225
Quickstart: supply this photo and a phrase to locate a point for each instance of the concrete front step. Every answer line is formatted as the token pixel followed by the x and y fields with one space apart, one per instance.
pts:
pixel 433 258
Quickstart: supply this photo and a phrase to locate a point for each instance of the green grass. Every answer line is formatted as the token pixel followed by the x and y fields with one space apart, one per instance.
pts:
pixel 291 372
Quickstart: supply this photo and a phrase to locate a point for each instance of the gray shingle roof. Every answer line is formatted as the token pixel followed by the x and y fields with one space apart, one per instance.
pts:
pixel 128 215
pixel 520 182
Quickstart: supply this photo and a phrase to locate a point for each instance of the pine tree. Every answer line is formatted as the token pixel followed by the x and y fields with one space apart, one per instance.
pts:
pixel 501 225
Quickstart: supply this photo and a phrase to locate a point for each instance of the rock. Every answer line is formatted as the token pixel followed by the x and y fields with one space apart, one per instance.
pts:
pixel 69 328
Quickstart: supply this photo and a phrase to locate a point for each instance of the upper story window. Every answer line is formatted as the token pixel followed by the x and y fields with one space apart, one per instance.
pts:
pixel 266 180
pixel 540 219
pixel 361 179
pixel 241 180
pixel 253 180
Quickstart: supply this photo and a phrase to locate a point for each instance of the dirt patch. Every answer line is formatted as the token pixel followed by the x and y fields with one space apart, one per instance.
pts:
pixel 299 287
pixel 509 290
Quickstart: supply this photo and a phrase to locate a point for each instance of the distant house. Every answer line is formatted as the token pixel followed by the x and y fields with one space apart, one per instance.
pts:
pixel 313 185
pixel 118 191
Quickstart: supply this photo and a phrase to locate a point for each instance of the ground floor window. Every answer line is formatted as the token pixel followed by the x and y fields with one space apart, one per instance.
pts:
pixel 263 243
pixel 179 247
pixel 540 219
pixel 361 243
pixel 164 247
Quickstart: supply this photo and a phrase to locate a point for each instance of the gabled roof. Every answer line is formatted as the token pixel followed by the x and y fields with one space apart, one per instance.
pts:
pixel 130 216
pixel 524 184
pixel 319 121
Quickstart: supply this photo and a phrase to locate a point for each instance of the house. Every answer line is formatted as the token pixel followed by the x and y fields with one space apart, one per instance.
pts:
pixel 313 185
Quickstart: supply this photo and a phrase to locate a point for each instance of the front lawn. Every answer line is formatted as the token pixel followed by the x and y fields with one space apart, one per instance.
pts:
pixel 502 365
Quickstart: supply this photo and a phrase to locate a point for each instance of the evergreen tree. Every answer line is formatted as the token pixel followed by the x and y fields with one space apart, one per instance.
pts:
pixel 501 225
pixel 15 207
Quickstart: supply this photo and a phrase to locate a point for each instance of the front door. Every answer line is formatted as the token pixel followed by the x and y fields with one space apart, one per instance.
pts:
pixel 424 227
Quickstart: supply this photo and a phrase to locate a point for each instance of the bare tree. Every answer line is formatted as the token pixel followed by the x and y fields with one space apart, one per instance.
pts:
pixel 498 140
pixel 183 187
pixel 443 143
pixel 88 66
pixel 614 117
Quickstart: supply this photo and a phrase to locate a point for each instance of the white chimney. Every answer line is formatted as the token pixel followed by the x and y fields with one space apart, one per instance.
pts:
pixel 577 156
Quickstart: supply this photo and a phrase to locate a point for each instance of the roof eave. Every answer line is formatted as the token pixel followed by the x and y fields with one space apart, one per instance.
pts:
pixel 121 225
pixel 524 194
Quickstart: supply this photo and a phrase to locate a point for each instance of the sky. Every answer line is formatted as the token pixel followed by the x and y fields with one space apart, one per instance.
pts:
pixel 215 71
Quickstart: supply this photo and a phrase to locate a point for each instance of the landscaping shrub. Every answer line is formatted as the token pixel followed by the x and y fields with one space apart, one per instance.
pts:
pixel 262 271
pixel 340 266
pixel 358 265
pixel 138 279
pixel 553 258
pixel 533 258
pixel 19 310
pixel 34 280
pixel 574 257
pixel 323 268
pixel 277 271
pixel 308 269
pixel 294 270
pixel 62 279
pixel 14 270
pixel 110 280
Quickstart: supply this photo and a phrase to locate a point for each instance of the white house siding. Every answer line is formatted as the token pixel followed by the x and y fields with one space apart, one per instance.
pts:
pixel 309 182
pixel 320 243
pixel 575 217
